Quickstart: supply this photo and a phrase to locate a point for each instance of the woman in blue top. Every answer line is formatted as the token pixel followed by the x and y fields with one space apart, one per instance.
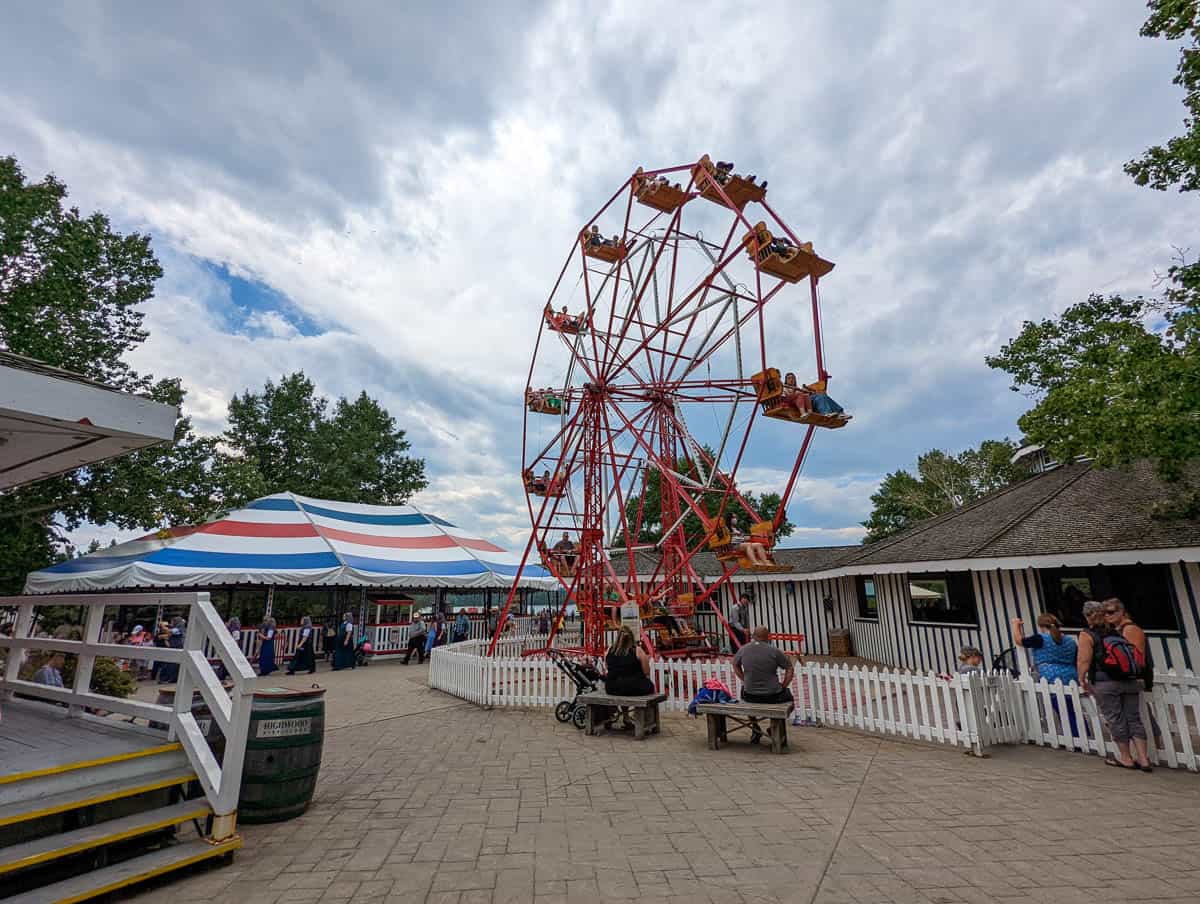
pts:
pixel 1054 655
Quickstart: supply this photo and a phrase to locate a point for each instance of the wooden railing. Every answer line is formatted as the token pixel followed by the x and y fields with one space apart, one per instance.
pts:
pixel 205 637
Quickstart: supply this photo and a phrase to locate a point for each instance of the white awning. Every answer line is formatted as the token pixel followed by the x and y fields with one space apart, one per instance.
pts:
pixel 52 421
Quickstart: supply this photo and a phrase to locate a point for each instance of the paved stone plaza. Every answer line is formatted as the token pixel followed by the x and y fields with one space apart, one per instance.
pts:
pixel 425 798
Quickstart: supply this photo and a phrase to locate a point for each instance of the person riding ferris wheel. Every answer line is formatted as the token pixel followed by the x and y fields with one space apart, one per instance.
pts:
pixel 648 374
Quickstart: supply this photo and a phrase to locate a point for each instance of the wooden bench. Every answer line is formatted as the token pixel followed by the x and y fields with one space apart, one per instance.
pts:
pixel 604 709
pixel 747 715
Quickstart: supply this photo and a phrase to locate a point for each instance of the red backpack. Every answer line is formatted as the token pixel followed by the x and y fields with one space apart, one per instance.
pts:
pixel 1117 657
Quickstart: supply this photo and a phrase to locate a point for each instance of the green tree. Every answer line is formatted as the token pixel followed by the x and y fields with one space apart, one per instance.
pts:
pixel 287 438
pixel 1177 163
pixel 650 504
pixel 943 482
pixel 70 287
pixel 1107 386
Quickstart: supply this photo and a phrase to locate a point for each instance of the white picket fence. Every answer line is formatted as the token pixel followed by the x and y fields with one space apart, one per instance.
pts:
pixel 971 712
pixel 1173 706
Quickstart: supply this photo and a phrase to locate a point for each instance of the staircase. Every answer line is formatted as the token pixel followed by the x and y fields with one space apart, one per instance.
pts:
pixel 78 830
pixel 91 805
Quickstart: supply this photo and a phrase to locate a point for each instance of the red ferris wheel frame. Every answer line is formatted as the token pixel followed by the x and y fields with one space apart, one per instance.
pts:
pixel 627 410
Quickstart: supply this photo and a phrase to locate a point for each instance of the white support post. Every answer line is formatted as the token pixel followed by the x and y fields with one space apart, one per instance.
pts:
pixel 21 629
pixel 87 660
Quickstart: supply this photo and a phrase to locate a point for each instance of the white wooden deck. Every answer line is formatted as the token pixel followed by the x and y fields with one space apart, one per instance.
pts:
pixel 36 736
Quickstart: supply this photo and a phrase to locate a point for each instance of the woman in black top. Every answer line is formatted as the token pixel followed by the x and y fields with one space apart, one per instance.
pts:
pixel 628 667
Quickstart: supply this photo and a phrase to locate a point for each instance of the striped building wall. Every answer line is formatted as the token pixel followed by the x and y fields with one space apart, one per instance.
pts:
pixel 792 607
pixel 795 605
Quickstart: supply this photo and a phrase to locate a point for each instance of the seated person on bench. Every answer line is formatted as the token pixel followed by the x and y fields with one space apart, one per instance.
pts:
pixel 757 666
pixel 628 667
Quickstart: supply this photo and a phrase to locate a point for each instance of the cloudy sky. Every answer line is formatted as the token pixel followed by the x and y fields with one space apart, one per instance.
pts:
pixel 382 194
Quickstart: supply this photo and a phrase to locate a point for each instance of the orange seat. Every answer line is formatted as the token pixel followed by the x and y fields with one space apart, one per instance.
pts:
pixel 538 487
pixel 738 189
pixel 602 250
pixel 564 323
pixel 800 261
pixel 657 193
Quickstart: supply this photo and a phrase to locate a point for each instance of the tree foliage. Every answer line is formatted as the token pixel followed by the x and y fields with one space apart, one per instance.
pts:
pixel 943 482
pixel 289 438
pixel 694 531
pixel 70 287
pixel 1177 163
pixel 1108 386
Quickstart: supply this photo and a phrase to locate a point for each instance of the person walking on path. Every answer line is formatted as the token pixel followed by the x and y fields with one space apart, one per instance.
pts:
pixel 1109 664
pixel 417 635
pixel 305 657
pixel 343 650
pixel 739 619
pixel 1055 655
pixel 168 673
pixel 266 647
pixel 462 627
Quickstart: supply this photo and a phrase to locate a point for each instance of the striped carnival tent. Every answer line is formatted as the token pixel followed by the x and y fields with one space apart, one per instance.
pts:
pixel 287 539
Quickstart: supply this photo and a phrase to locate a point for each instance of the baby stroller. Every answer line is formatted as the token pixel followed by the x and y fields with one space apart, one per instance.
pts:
pixel 586 678
pixel 363 651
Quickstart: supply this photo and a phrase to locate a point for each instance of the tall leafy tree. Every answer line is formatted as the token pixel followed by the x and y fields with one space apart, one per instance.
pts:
pixel 70 290
pixel 288 438
pixel 943 482
pixel 1108 386
pixel 70 285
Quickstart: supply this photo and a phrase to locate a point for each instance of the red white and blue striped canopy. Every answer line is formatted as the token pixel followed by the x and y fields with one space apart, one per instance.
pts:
pixel 287 539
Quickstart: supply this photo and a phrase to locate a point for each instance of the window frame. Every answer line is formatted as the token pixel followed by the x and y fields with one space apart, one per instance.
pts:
pixel 1113 580
pixel 860 592
pixel 959 584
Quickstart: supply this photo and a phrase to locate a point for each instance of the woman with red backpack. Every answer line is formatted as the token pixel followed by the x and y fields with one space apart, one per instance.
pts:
pixel 1112 660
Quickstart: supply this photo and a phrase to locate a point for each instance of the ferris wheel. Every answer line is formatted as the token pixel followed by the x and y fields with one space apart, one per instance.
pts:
pixel 650 371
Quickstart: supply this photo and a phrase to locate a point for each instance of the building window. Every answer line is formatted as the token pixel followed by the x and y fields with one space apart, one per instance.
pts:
pixel 1146 591
pixel 947 598
pixel 868 602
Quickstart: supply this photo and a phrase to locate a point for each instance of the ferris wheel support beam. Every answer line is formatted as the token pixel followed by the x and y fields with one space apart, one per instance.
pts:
pixel 813 287
pixel 640 294
pixel 695 316
pixel 783 500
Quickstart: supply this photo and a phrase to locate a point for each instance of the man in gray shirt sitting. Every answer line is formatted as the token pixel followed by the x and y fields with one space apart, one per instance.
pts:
pixel 757 666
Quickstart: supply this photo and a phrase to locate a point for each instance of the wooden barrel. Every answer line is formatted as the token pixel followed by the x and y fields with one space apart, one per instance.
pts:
pixel 839 642
pixel 283 754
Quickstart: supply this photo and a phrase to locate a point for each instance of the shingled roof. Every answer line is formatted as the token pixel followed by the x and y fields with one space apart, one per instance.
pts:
pixel 1076 508
pixel 1073 509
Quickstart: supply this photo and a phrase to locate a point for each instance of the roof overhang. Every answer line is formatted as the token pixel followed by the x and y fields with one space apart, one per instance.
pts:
pixel 52 421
